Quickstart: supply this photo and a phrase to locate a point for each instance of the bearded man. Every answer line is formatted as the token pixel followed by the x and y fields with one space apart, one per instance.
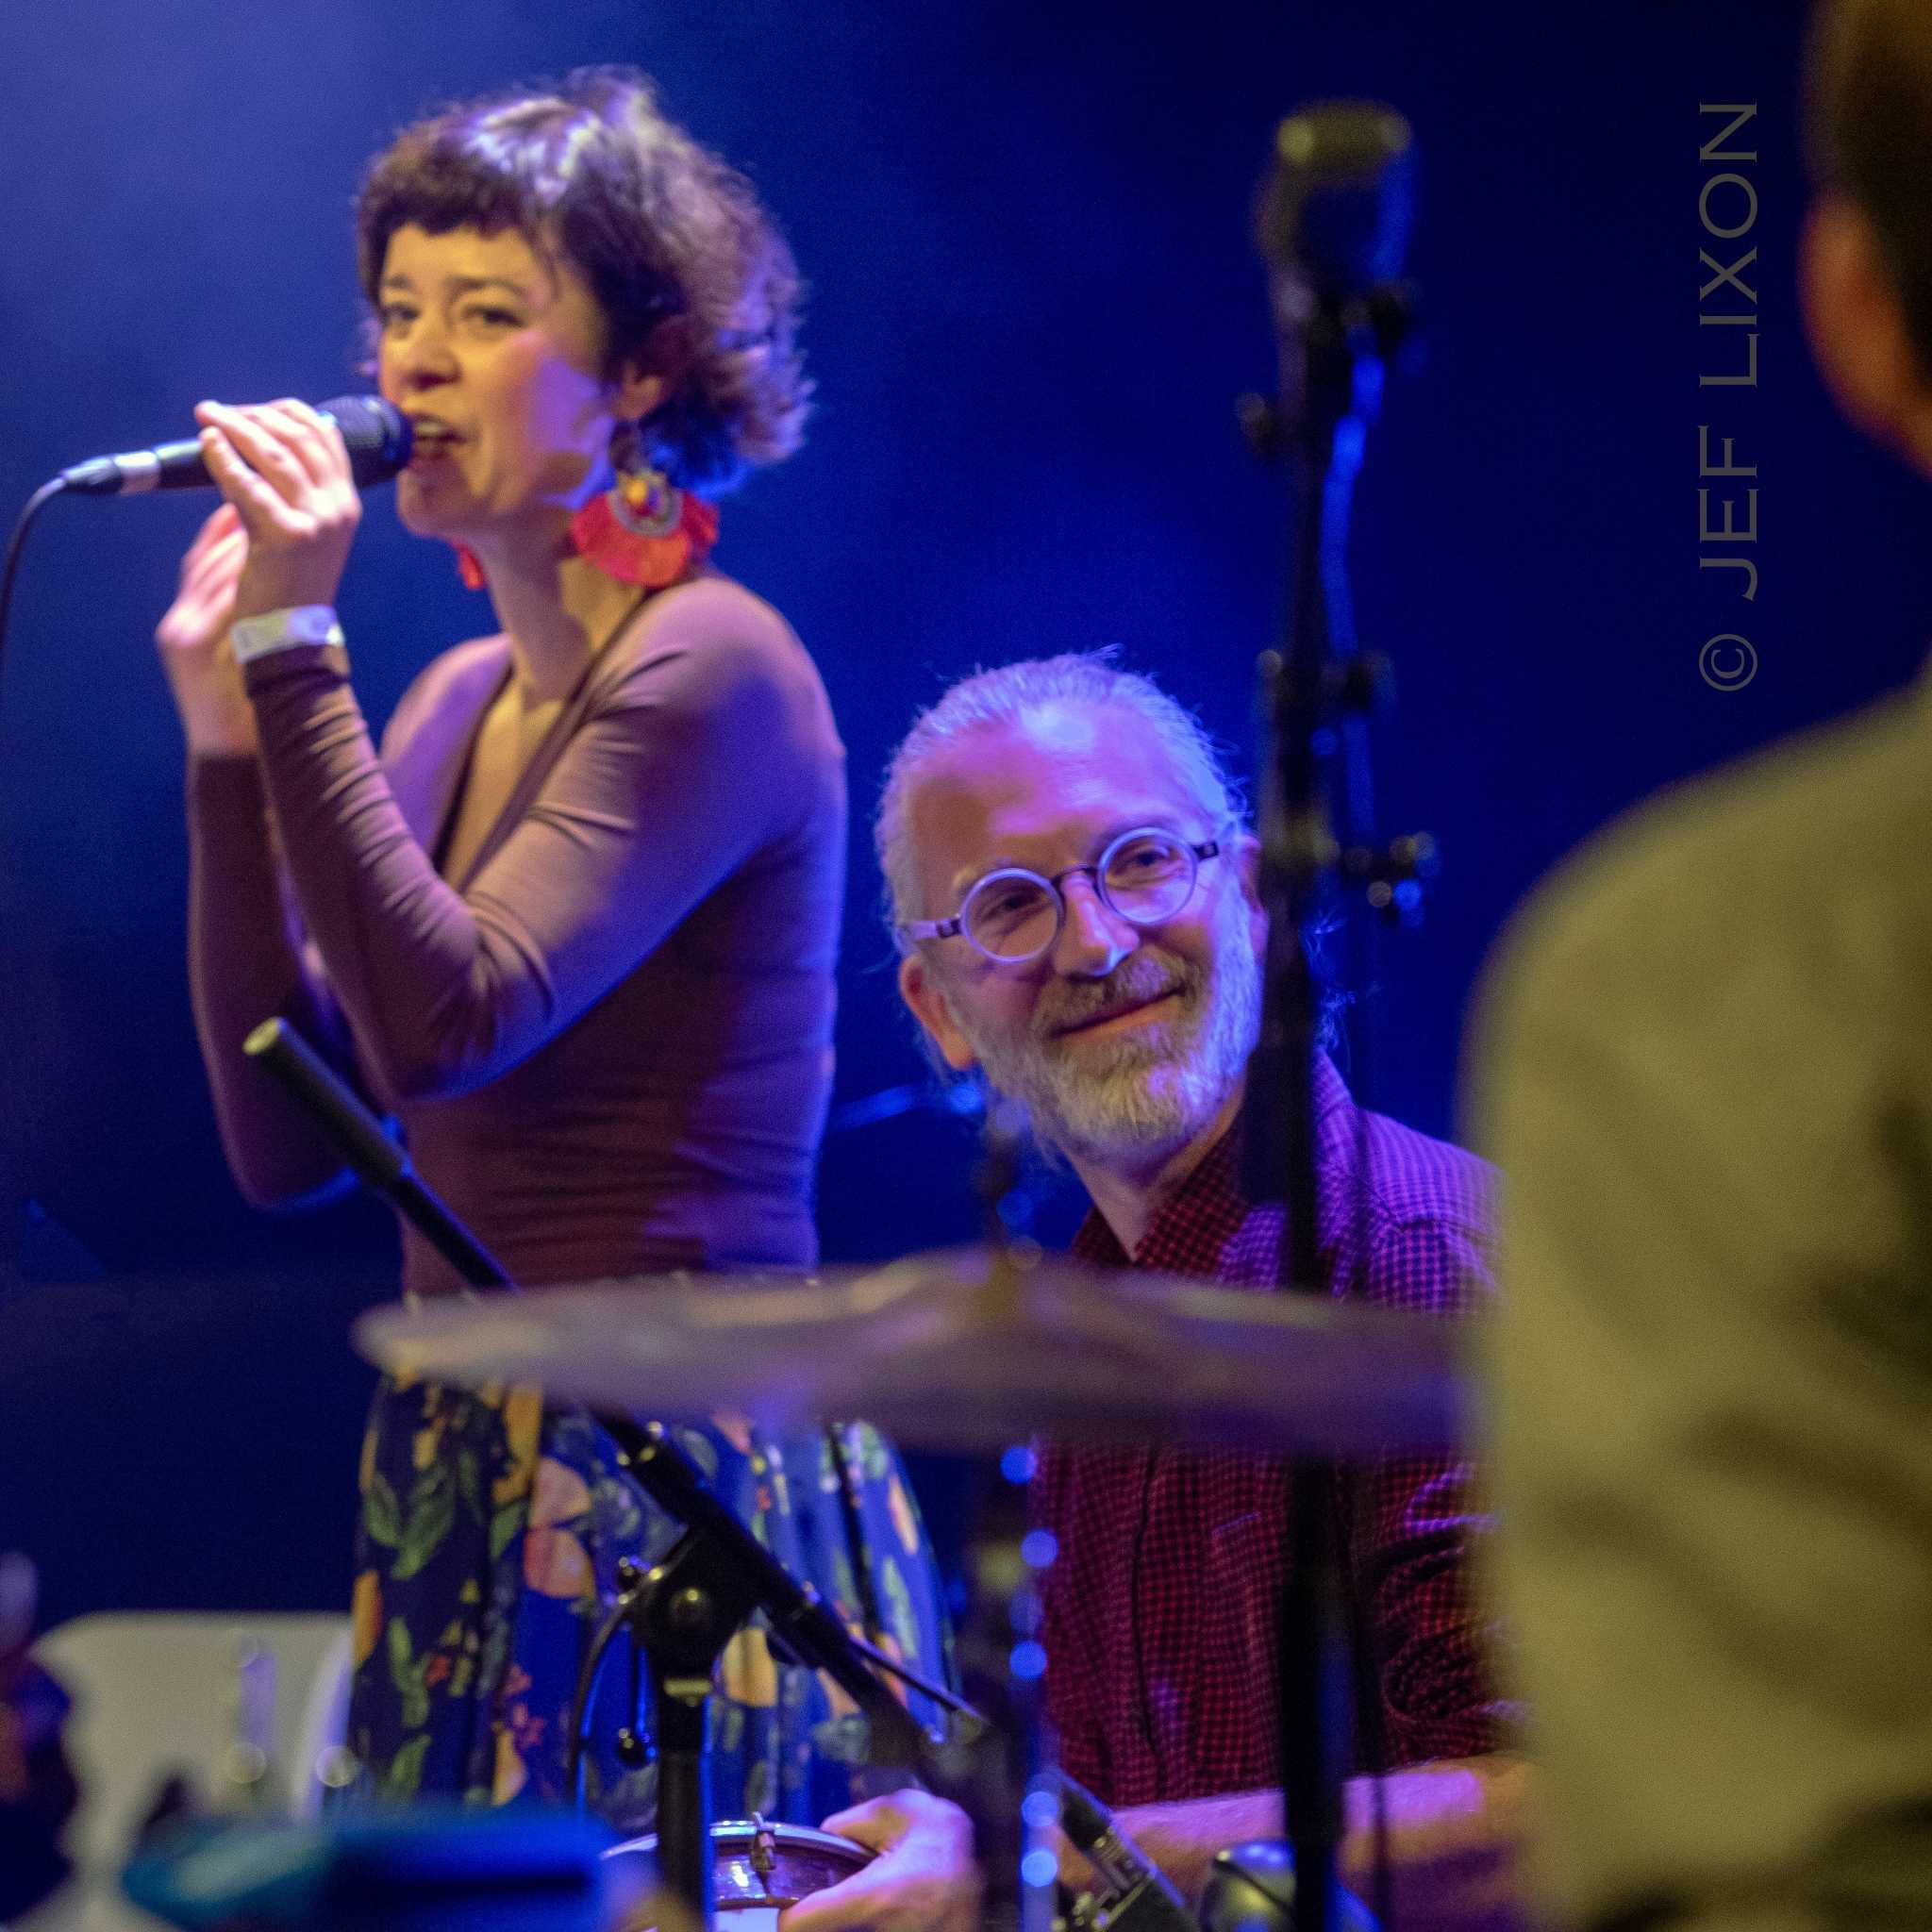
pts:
pixel 1073 891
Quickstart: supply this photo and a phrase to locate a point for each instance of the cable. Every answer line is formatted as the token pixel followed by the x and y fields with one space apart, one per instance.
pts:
pixel 581 1699
pixel 946 1700
pixel 852 1517
pixel 44 495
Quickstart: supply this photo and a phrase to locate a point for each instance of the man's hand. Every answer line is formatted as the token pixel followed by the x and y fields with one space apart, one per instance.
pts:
pixel 1456 1832
pixel 1182 1838
pixel 922 1880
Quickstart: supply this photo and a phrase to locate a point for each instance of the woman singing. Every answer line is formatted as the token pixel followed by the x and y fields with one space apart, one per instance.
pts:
pixel 574 925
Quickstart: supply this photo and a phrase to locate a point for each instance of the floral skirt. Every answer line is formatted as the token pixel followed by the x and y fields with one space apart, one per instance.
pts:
pixel 486 1558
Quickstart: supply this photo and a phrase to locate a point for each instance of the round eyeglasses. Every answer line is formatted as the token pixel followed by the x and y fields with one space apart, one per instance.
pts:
pixel 1012 915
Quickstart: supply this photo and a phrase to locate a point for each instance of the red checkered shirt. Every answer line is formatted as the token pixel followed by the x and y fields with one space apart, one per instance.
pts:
pixel 1160 1608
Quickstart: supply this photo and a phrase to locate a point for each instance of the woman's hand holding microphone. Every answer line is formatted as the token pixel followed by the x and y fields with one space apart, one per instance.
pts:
pixel 280 540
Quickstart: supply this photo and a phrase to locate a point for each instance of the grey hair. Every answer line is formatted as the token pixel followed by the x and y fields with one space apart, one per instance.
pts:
pixel 1008 695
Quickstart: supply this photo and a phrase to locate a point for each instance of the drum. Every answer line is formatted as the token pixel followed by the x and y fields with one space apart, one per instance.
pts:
pixel 756 1869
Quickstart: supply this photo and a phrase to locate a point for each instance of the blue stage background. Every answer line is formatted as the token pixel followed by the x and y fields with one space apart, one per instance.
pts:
pixel 1034 302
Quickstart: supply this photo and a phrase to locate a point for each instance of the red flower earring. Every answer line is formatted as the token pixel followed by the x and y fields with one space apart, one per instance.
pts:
pixel 644 529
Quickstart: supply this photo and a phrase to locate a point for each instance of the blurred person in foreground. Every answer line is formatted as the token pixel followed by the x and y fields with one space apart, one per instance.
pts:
pixel 574 924
pixel 1705 1069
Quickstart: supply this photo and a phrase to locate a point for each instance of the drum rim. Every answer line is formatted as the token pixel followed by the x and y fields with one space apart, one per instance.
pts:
pixel 723 1830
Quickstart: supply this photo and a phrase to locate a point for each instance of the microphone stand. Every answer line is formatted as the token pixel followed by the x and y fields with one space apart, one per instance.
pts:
pixel 683 1613
pixel 1333 221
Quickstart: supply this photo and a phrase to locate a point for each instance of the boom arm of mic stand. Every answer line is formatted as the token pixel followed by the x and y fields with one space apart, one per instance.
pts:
pixel 380 1163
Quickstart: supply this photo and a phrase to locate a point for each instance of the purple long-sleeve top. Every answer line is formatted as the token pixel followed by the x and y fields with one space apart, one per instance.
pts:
pixel 608 1041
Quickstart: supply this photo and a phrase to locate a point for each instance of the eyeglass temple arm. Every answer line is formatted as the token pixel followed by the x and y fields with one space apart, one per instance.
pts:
pixel 930 928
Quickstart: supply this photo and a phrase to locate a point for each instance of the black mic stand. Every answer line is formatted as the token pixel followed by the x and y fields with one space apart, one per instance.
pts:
pixel 1333 222
pixel 682 1613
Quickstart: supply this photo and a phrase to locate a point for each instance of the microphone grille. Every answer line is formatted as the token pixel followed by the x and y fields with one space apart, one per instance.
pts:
pixel 376 433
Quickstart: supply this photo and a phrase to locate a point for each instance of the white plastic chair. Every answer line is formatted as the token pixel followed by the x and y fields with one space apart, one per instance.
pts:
pixel 250 1710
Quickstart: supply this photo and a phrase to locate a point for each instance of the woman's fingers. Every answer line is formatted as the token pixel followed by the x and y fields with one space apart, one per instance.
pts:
pixel 205 540
pixel 217 555
pixel 203 604
pixel 292 447
pixel 285 472
pixel 256 501
pixel 221 531
pixel 324 438
pixel 223 525
pixel 268 443
pixel 304 436
pixel 217 573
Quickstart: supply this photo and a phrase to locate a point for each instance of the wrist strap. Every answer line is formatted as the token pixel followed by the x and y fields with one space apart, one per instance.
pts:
pixel 284 630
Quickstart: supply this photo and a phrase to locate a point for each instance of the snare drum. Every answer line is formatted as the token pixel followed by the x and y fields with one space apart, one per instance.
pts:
pixel 756 1869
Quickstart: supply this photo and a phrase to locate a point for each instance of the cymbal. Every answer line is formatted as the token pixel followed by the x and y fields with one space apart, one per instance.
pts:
pixel 948 1351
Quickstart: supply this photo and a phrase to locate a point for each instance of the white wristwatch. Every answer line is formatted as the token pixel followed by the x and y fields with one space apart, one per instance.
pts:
pixel 283 630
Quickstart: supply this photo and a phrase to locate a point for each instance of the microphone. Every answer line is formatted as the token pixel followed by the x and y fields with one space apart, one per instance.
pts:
pixel 1134 1894
pixel 1339 203
pixel 1333 224
pixel 377 435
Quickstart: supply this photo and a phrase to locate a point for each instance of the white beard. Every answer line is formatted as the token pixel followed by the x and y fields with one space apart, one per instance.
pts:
pixel 1145 1094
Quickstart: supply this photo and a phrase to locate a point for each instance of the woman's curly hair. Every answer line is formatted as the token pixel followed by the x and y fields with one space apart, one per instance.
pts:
pixel 689 270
